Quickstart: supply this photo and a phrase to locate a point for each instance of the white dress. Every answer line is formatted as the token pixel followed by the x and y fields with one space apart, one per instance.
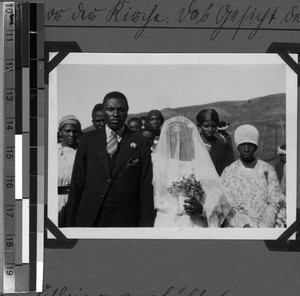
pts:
pixel 179 154
pixel 253 193
pixel 169 204
pixel 66 157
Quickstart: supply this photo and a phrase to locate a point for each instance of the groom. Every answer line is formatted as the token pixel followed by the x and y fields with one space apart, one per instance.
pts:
pixel 112 176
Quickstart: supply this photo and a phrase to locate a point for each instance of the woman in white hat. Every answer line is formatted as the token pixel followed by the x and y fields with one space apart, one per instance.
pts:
pixel 69 130
pixel 251 184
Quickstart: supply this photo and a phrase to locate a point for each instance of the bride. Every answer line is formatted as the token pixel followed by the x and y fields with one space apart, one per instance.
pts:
pixel 187 191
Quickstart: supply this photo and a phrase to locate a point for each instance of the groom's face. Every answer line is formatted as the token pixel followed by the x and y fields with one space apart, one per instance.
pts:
pixel 115 111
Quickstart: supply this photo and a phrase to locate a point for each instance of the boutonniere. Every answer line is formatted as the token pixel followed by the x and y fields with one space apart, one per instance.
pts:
pixel 133 145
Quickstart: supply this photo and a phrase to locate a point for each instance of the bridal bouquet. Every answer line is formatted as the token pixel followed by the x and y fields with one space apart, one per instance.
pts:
pixel 188 187
pixel 281 215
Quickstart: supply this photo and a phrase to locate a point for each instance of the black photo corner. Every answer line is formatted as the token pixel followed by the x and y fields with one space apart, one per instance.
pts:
pixel 282 244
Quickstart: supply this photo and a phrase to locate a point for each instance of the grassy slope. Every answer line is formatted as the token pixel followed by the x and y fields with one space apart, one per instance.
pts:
pixel 267 113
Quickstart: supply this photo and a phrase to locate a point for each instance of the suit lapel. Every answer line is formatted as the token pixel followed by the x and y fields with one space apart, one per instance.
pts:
pixel 100 148
pixel 125 150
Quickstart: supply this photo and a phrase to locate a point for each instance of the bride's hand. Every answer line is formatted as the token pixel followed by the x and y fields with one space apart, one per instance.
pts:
pixel 193 207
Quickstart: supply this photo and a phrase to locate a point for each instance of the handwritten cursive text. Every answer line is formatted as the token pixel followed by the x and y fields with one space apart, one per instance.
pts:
pixel 196 14
pixel 172 291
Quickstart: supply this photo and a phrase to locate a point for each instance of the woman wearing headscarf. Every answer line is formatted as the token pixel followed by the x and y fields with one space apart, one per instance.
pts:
pixel 221 152
pixel 187 188
pixel 251 184
pixel 69 130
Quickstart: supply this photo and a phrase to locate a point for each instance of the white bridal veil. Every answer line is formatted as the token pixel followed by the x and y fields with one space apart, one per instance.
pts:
pixel 180 153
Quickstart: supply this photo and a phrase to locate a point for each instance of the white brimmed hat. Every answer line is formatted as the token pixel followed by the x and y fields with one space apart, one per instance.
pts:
pixel 281 149
pixel 246 134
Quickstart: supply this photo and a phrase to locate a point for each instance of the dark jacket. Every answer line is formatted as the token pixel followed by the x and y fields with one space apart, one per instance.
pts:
pixel 221 154
pixel 128 182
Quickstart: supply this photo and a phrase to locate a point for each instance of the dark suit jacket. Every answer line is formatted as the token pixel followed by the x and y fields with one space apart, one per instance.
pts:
pixel 221 154
pixel 130 181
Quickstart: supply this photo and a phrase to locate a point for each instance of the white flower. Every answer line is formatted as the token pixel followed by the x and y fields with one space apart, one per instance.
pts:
pixel 133 145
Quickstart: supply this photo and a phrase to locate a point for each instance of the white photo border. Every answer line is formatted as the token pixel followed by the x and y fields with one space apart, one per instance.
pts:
pixel 176 59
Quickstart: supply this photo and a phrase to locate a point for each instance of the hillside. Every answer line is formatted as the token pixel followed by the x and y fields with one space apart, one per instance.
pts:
pixel 267 113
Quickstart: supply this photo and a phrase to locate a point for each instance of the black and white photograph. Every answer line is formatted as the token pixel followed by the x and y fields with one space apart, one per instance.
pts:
pixel 175 146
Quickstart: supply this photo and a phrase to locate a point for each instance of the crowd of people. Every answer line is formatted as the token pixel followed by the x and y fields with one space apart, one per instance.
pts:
pixel 165 173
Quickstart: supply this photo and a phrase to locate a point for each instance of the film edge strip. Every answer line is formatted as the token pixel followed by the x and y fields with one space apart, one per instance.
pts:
pixel 20 81
pixel 23 122
pixel 9 146
pixel 37 140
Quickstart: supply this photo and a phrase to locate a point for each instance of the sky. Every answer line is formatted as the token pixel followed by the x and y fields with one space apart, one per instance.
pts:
pixel 159 84
pixel 166 81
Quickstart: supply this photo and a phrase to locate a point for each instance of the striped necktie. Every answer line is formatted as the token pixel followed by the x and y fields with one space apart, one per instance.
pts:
pixel 112 144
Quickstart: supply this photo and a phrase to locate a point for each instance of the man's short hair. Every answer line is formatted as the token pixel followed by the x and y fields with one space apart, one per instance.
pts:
pixel 97 107
pixel 115 95
pixel 135 119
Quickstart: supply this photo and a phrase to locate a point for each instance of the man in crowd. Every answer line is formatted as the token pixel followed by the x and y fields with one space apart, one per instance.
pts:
pixel 155 121
pixel 112 176
pixel 135 124
pixel 220 152
pixel 98 118
pixel 279 165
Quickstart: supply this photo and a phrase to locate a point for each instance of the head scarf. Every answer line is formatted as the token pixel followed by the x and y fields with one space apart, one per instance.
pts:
pixel 207 114
pixel 281 149
pixel 69 119
pixel 223 125
pixel 246 134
